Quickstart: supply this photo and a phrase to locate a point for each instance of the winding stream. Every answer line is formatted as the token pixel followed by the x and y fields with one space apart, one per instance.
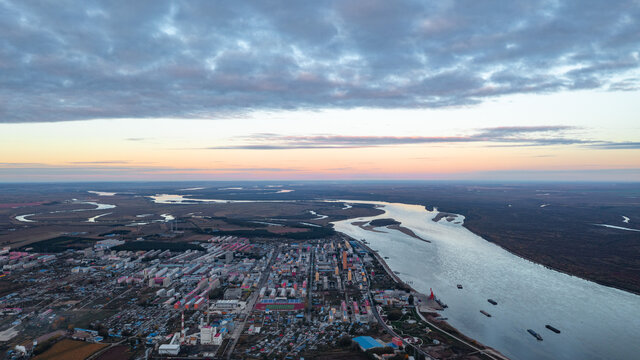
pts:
pixel 98 206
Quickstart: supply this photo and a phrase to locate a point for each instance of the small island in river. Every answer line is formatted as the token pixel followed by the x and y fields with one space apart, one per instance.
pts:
pixel 389 224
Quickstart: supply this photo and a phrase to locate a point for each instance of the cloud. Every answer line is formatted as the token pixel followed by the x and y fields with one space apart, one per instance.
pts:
pixel 109 162
pixel 66 60
pixel 617 145
pixel 19 164
pixel 519 130
pixel 498 136
pixel 58 168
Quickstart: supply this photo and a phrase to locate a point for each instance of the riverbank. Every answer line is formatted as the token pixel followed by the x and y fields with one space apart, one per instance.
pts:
pixel 427 312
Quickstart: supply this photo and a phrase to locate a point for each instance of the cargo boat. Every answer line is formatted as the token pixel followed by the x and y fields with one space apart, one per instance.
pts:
pixel 552 329
pixel 535 334
pixel 493 302
pixel 485 313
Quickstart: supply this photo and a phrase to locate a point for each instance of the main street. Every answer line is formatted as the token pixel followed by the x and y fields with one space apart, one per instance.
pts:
pixel 233 340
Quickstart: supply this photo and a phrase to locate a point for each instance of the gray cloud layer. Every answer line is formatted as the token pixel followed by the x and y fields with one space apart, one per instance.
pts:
pixel 497 136
pixel 64 60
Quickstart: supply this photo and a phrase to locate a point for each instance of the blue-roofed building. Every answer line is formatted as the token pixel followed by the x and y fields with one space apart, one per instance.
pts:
pixel 367 342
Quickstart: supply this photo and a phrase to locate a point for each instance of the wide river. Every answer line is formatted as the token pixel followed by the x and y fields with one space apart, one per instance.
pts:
pixel 597 322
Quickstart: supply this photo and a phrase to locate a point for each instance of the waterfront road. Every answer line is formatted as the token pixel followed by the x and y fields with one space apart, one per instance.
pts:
pixel 487 352
pixel 384 325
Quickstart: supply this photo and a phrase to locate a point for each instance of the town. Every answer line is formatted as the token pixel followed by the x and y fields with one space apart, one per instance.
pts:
pixel 224 298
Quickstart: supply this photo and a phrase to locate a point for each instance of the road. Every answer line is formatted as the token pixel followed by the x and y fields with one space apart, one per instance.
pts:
pixel 117 297
pixel 250 304
pixel 102 351
pixel 310 287
pixel 486 352
pixel 105 305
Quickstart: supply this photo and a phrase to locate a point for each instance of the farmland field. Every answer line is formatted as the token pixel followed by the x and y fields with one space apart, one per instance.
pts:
pixel 70 350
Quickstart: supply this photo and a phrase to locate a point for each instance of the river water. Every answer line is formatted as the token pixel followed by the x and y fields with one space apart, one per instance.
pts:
pixel 98 206
pixel 597 322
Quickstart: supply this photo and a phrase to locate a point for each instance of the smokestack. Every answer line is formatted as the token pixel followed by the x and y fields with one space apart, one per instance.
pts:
pixel 182 334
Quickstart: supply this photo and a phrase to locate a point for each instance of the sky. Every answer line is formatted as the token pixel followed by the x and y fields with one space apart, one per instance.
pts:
pixel 321 90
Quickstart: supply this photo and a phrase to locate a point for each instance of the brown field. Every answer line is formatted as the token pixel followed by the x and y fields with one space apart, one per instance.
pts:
pixel 70 350
pixel 202 238
pixel 119 352
pixel 50 335
pixel 28 234
pixel 17 205
pixel 285 230
pixel 232 228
